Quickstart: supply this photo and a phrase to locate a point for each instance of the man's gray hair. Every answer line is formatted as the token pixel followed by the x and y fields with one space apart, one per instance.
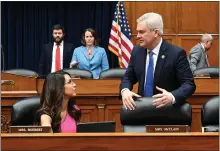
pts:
pixel 206 37
pixel 153 21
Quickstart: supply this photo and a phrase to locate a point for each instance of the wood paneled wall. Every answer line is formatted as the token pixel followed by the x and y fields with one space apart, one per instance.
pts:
pixel 184 22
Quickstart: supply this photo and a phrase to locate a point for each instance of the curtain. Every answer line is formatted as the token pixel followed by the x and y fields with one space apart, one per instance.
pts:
pixel 26 26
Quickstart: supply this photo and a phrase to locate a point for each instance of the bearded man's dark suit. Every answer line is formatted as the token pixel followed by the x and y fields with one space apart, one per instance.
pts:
pixel 45 63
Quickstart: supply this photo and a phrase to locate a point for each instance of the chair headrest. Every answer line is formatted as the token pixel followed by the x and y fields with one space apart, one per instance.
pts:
pixel 210 112
pixel 113 73
pixel 212 71
pixel 84 74
pixel 23 72
pixel 147 114
pixel 24 111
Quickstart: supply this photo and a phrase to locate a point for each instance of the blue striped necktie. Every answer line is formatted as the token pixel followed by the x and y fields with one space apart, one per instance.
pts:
pixel 148 90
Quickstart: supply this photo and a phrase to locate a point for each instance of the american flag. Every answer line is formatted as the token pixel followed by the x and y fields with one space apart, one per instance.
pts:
pixel 119 41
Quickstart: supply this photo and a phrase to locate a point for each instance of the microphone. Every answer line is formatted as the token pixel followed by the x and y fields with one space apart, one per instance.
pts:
pixel 3 58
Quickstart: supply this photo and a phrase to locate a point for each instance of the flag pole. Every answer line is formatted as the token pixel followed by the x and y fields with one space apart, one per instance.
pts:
pixel 117 16
pixel 120 36
pixel 117 33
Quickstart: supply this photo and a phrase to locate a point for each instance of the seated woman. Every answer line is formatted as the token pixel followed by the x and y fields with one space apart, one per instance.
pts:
pixel 90 56
pixel 57 107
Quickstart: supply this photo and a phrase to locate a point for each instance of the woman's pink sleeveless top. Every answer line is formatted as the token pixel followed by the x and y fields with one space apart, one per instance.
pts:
pixel 68 125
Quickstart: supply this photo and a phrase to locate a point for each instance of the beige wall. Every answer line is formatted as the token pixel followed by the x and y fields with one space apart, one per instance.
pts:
pixel 184 22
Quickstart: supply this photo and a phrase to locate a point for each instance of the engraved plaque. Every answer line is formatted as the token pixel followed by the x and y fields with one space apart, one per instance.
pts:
pixel 29 129
pixel 167 128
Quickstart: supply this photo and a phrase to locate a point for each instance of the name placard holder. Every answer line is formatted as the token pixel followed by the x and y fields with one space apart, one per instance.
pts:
pixel 167 128
pixel 203 76
pixel 29 129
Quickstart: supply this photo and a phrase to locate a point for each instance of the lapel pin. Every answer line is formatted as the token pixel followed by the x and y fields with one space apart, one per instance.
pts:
pixel 162 56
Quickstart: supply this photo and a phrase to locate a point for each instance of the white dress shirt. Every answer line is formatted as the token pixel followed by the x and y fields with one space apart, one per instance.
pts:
pixel 54 56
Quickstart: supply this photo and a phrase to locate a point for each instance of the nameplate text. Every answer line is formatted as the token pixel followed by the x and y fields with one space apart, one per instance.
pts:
pixel 29 129
pixel 167 128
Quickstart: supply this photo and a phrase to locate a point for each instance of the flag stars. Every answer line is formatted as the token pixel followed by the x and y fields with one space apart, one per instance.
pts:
pixel 121 19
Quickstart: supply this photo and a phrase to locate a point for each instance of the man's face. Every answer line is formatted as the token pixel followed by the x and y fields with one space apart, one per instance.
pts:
pixel 58 36
pixel 208 45
pixel 145 35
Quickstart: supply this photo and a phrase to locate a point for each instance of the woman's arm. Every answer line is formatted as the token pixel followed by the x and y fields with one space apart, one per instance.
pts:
pixel 46 120
pixel 74 60
pixel 105 65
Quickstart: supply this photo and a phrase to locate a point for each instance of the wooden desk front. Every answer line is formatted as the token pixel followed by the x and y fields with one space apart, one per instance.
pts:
pixel 98 99
pixel 112 141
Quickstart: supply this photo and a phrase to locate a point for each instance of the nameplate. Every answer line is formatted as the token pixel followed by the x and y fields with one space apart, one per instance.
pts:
pixel 7 82
pixel 167 128
pixel 205 76
pixel 29 129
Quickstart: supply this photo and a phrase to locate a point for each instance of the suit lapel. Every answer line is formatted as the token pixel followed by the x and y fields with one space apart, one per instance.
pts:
pixel 206 57
pixel 93 52
pixel 85 53
pixel 64 51
pixel 160 62
pixel 142 61
pixel 50 55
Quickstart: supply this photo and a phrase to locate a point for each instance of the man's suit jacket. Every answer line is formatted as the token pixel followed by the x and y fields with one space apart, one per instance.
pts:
pixel 172 72
pixel 45 63
pixel 197 57
pixel 96 64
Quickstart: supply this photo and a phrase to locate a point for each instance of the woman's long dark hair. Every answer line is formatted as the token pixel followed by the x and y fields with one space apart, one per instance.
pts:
pixel 52 99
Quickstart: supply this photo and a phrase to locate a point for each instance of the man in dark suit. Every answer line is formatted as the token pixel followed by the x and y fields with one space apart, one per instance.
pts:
pixel 57 55
pixel 160 68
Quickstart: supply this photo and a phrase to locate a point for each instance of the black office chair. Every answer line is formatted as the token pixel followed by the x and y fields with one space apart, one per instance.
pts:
pixel 210 114
pixel 147 114
pixel 24 112
pixel 212 71
pixel 23 72
pixel 113 73
pixel 83 74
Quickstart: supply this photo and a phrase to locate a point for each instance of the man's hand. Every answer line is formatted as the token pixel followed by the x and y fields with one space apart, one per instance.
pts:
pixel 127 99
pixel 163 98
